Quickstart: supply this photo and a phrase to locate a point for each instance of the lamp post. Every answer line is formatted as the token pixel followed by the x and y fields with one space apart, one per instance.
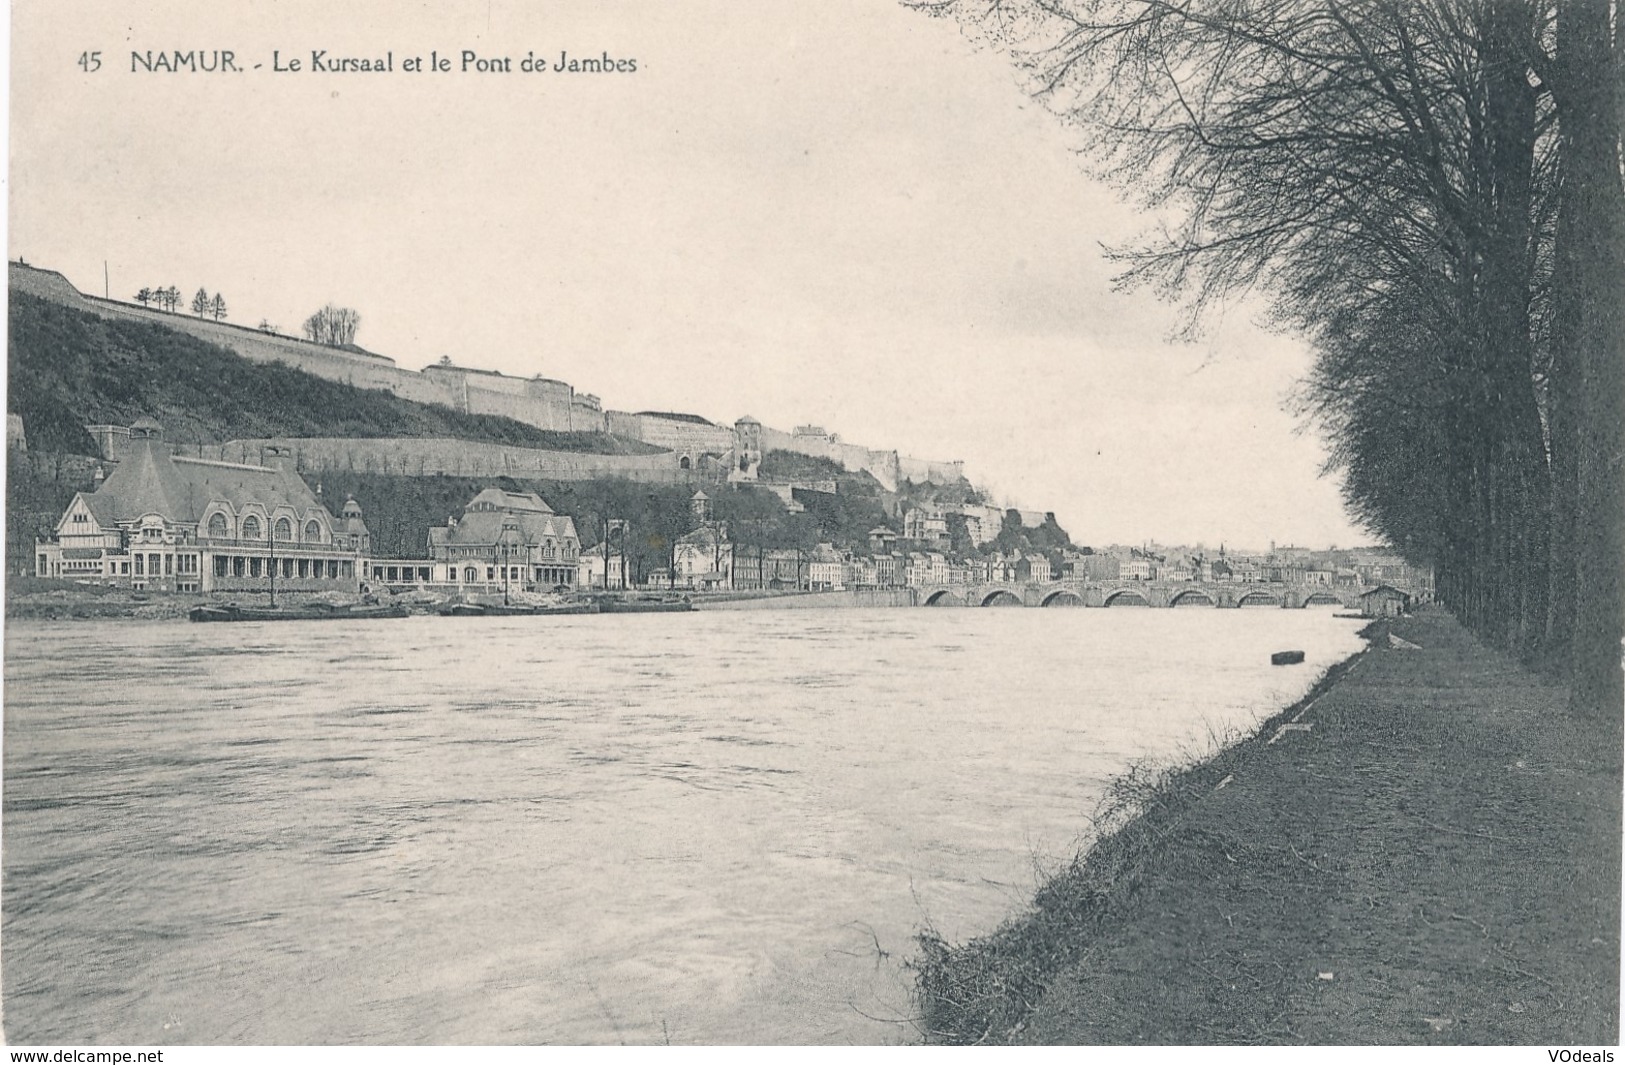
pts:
pixel 626 528
pixel 510 529
pixel 611 527
pixel 270 538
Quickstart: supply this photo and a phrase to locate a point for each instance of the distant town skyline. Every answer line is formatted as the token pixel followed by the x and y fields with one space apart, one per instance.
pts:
pixel 858 222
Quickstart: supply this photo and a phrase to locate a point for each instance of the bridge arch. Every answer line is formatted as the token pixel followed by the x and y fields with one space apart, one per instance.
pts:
pixel 1258 599
pixel 943 597
pixel 1321 599
pixel 1192 597
pixel 1062 597
pixel 1126 597
pixel 1002 597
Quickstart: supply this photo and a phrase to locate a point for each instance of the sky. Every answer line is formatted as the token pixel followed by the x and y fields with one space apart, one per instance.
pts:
pixel 842 214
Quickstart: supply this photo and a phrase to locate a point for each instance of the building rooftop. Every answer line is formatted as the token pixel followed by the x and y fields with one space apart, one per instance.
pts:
pixel 501 499
pixel 674 416
pixel 152 481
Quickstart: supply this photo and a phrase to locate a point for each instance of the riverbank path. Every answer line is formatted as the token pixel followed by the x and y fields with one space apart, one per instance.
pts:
pixel 1434 859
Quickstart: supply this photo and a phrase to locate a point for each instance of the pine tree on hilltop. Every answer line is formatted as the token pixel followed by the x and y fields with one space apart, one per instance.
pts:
pixel 200 303
pixel 145 296
pixel 217 307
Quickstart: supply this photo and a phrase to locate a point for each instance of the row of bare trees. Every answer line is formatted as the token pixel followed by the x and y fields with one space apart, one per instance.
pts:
pixel 1431 191
pixel 169 299
pixel 333 326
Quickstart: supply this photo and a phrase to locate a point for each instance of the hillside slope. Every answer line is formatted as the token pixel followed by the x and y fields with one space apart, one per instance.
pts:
pixel 69 368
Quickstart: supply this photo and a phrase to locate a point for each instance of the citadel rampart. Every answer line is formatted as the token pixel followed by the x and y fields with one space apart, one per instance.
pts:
pixel 687 434
pixel 884 466
pixel 921 471
pixel 538 401
pixel 431 456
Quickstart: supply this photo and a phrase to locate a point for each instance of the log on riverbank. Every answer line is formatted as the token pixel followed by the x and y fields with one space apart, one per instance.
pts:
pixel 1433 859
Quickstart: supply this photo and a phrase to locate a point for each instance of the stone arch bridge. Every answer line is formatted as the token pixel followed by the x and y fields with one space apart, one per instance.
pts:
pixel 1136 593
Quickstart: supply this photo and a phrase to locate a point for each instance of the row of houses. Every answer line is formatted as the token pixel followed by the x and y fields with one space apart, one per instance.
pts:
pixel 1293 566
pixel 171 523
pixel 706 560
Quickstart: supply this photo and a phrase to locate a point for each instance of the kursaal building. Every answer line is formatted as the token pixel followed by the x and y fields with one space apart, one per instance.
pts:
pixel 165 522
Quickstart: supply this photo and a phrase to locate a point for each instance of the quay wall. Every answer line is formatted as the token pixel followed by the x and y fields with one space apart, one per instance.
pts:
pixel 851 598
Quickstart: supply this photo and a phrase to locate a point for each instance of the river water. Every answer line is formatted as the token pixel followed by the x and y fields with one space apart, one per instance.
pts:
pixel 716 827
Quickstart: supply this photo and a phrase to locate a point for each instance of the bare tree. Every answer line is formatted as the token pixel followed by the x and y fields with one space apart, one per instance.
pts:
pixel 217 307
pixel 334 326
pixel 1430 192
pixel 200 303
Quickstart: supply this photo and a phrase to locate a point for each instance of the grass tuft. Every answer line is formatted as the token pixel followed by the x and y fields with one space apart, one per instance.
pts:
pixel 983 991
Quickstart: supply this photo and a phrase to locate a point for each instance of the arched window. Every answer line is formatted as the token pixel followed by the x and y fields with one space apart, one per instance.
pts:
pixel 217 525
pixel 251 528
pixel 470 574
pixel 683 463
pixel 313 531
pixel 284 529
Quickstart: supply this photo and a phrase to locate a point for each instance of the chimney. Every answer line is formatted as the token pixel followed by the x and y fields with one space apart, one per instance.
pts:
pixel 100 475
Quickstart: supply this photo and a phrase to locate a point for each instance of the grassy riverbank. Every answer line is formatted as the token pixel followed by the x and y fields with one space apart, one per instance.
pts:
pixel 1434 859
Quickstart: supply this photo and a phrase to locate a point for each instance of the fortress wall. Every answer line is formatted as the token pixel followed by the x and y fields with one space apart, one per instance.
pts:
pixel 543 403
pixel 623 424
pixel 543 412
pixel 457 377
pixel 882 465
pixel 538 401
pixel 586 416
pixel 252 343
pixel 335 364
pixel 675 435
pixel 46 284
pixel 925 470
pixel 435 456
pixel 545 388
